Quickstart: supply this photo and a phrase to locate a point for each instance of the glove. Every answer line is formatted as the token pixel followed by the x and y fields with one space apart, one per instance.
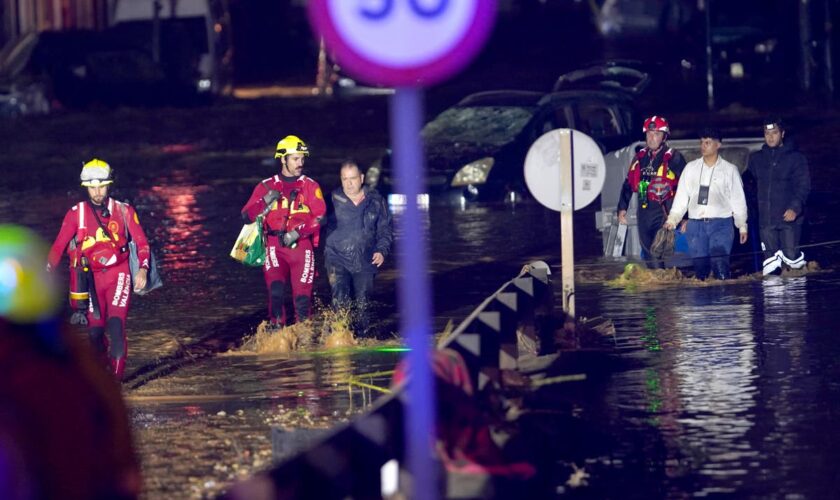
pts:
pixel 271 196
pixel 290 238
pixel 79 318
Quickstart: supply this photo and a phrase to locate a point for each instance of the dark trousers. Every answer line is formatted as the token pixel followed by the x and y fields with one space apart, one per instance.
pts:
pixel 783 236
pixel 351 291
pixel 650 220
pixel 709 244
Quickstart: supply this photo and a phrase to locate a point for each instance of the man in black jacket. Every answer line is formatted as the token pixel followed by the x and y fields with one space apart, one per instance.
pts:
pixel 359 242
pixel 782 184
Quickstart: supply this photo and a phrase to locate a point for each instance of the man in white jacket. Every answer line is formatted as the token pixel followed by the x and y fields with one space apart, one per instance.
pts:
pixel 710 188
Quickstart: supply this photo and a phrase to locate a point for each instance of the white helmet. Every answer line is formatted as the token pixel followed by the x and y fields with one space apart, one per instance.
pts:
pixel 96 173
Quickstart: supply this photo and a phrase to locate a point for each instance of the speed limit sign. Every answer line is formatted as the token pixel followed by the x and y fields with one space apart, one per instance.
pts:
pixel 403 42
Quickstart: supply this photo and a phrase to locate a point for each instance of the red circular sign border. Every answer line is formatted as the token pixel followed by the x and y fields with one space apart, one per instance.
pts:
pixel 427 74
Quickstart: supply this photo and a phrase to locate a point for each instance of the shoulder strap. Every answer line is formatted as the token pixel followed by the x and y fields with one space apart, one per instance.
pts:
pixel 124 212
pixel 82 215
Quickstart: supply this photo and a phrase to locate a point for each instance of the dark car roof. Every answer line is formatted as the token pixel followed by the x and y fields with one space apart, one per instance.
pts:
pixel 502 98
pixel 612 77
pixel 578 95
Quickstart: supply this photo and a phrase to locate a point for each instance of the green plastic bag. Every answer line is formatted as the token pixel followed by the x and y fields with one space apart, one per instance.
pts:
pixel 249 248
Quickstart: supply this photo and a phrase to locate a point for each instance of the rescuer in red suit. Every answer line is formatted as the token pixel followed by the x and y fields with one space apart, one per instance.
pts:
pixel 95 235
pixel 294 206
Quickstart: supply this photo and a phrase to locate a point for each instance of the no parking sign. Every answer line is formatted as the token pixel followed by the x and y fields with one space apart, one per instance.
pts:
pixel 403 43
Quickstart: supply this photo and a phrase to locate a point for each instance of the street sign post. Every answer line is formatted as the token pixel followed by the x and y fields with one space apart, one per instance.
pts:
pixel 408 44
pixel 565 171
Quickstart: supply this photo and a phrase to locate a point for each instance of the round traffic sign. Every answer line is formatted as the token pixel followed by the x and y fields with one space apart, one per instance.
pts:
pixel 543 169
pixel 402 42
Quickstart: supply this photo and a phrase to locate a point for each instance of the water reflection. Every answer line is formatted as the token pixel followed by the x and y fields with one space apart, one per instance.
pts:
pixel 727 393
pixel 184 221
pixel 716 369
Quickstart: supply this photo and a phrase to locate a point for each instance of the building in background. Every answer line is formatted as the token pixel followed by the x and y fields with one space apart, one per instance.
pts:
pixel 26 16
pixel 72 53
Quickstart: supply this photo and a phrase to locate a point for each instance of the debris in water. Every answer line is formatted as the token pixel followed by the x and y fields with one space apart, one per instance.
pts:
pixel 578 477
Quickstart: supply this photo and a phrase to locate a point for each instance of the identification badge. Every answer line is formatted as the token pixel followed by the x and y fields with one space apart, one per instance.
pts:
pixel 703 197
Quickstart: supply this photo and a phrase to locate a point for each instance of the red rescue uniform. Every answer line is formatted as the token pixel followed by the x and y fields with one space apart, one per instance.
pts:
pixel 101 243
pixel 301 208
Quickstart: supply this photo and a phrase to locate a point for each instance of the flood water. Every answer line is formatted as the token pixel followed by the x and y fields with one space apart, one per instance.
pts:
pixel 728 390
pixel 732 391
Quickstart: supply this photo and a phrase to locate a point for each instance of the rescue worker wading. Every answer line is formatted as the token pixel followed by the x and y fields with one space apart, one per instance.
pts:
pixel 294 206
pixel 95 234
pixel 654 175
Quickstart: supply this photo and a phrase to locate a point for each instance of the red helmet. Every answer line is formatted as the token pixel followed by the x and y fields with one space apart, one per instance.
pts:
pixel 656 123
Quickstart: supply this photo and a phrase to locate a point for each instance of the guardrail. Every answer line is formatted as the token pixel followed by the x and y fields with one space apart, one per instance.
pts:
pixel 349 461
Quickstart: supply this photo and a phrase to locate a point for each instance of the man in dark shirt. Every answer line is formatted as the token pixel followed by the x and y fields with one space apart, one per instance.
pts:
pixel 360 241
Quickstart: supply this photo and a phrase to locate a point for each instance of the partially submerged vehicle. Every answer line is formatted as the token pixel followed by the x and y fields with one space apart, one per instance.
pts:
pixel 475 150
pixel 621 240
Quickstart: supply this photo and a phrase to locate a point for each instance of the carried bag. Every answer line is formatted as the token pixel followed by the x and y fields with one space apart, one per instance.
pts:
pixel 249 248
pixel 153 280
pixel 662 247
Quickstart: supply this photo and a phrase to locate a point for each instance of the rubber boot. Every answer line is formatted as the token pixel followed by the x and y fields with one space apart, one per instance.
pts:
pixel 118 367
pixel 276 306
pixel 772 265
pixel 96 335
pixel 117 352
pixel 796 263
pixel 302 308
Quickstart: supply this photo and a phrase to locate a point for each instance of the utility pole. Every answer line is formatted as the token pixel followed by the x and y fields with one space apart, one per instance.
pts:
pixel 710 74
pixel 828 72
pixel 805 56
pixel 156 8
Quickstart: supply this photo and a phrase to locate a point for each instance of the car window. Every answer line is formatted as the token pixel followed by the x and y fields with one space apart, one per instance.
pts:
pixel 551 119
pixel 598 120
pixel 496 125
pixel 737 155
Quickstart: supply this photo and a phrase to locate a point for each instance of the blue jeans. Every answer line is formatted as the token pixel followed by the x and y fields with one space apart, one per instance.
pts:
pixel 709 244
pixel 351 291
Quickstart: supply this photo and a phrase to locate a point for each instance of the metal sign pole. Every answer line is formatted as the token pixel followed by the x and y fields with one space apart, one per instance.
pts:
pixel 567 203
pixel 386 45
pixel 406 114
pixel 565 171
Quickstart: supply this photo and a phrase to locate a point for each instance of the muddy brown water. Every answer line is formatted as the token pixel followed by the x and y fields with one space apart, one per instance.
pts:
pixel 727 390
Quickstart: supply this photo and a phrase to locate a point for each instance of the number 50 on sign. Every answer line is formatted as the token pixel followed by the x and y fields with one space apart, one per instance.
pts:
pixel 403 42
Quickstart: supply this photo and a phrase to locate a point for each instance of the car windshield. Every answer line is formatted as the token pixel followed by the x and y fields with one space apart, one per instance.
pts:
pixel 495 125
pixel 737 155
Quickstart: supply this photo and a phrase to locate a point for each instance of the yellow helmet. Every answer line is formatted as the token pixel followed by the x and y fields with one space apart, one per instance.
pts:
pixel 96 173
pixel 289 145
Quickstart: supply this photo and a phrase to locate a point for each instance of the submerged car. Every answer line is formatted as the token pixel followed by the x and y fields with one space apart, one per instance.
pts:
pixel 476 149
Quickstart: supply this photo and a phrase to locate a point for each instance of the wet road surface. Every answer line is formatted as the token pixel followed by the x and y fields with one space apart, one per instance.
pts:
pixel 727 389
